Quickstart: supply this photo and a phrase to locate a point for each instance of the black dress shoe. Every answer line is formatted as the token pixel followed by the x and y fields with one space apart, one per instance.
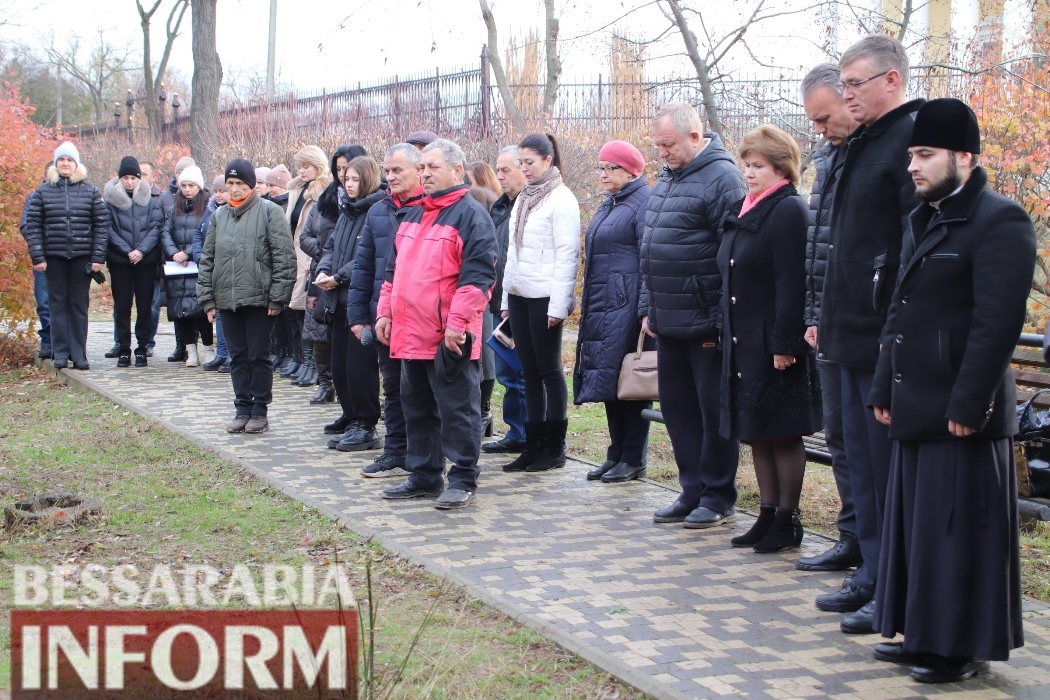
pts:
pixel 214 364
pixel 895 653
pixel 674 513
pixel 454 498
pixel 178 356
pixel 337 426
pixel 703 517
pixel 406 489
pixel 937 669
pixel 503 446
pixel 225 367
pixel 599 471
pixel 113 352
pixel 45 352
pixel 81 365
pixel 860 622
pixel 844 555
pixel 61 364
pixel 623 472
pixel 850 598
pixel 324 394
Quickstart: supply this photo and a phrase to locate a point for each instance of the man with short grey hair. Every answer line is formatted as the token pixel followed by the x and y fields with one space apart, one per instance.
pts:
pixel 512 181
pixel 681 303
pixel 438 284
pixel 873 198
pixel 824 106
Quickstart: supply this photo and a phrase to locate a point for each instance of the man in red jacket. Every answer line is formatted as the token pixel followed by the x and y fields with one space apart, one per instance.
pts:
pixel 438 280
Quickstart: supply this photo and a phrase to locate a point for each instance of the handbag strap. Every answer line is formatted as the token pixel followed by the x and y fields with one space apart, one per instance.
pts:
pixel 1028 404
pixel 641 344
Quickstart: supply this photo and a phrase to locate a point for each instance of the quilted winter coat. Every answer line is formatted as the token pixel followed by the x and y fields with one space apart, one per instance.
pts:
pixel 609 320
pixel 67 219
pixel 177 236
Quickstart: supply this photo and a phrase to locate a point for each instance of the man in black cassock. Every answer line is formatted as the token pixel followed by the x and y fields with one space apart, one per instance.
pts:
pixel 950 573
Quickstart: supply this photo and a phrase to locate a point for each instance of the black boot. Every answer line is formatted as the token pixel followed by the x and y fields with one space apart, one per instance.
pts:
pixel 289 368
pixel 766 515
pixel 308 376
pixel 180 348
pixel 486 406
pixel 324 394
pixel 553 447
pixel 534 437
pixel 786 532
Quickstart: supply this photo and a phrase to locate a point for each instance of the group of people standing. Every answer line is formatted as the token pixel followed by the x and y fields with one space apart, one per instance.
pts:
pixel 883 310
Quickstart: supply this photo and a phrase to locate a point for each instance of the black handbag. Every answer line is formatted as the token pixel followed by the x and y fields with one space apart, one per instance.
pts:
pixel 1030 422
pixel 324 307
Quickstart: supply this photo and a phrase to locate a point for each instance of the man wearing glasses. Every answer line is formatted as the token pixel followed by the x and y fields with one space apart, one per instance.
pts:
pixel 873 199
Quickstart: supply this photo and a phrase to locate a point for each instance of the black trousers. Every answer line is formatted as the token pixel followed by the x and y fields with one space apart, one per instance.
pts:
pixel 68 288
pixel 187 330
pixel 628 431
pixel 831 389
pixel 355 372
pixel 539 349
pixel 689 381
pixel 247 334
pixel 867 444
pixel 396 442
pixel 444 422
pixel 133 282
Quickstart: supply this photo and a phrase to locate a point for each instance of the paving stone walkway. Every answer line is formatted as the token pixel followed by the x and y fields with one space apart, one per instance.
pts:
pixel 674 612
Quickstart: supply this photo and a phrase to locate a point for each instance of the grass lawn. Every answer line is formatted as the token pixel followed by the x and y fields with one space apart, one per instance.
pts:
pixel 168 502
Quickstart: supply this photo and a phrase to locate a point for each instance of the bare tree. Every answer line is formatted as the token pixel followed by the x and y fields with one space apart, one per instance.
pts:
pixel 550 45
pixel 151 80
pixel 105 63
pixel 700 65
pixel 207 80
pixel 497 70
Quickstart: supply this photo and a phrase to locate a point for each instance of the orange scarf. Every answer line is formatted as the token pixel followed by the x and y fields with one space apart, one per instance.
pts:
pixel 238 202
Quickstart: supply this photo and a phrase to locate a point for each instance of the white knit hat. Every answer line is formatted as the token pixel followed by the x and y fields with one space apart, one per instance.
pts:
pixel 69 150
pixel 192 174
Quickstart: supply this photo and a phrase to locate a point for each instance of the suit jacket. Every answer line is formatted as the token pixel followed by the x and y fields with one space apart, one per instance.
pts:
pixel 955 317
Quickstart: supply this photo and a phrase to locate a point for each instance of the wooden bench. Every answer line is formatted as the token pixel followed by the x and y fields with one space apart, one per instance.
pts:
pixel 1031 372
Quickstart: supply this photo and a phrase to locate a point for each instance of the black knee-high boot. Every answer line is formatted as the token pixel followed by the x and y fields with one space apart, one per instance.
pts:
pixel 486 406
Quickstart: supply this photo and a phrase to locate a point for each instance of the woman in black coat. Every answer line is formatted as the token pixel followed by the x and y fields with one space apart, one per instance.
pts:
pixel 770 389
pixel 67 230
pixel 355 365
pixel 132 256
pixel 180 226
pixel 609 321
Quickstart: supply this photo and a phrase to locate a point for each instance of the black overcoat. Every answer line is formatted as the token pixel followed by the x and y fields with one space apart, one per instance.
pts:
pixel 609 321
pixel 762 263
pixel 955 317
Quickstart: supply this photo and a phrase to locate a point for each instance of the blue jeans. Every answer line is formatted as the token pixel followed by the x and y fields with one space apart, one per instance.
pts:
pixel 220 339
pixel 514 413
pixel 43 311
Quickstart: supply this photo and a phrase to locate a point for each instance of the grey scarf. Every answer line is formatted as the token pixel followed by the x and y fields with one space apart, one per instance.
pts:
pixel 531 197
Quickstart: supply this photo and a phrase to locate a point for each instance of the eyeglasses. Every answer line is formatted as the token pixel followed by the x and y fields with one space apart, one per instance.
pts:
pixel 602 169
pixel 854 84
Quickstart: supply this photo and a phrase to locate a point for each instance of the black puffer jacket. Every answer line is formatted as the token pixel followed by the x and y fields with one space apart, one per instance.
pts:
pixel 312 241
pixel 873 198
pixel 341 248
pixel 680 246
pixel 180 225
pixel 137 221
pixel 500 214
pixel 828 164
pixel 67 219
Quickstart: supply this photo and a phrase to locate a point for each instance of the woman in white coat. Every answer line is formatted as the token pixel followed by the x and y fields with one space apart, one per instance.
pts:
pixel 539 294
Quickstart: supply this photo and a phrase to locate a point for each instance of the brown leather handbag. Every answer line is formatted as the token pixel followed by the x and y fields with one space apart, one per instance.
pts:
pixel 638 375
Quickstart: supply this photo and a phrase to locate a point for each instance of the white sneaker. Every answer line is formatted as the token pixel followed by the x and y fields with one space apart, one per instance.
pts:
pixel 207 354
pixel 192 359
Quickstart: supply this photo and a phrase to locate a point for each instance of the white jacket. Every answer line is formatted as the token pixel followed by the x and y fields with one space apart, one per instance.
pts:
pixel 550 253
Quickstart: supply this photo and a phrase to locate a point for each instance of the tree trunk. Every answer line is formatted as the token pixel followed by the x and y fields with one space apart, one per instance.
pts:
pixel 152 117
pixel 207 80
pixel 550 43
pixel 497 70
pixel 703 73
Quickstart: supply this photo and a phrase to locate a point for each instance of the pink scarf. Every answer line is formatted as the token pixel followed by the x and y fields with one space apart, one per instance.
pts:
pixel 751 200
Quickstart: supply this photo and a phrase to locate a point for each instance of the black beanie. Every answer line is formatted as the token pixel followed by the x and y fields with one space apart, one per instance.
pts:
pixel 243 170
pixel 129 165
pixel 947 123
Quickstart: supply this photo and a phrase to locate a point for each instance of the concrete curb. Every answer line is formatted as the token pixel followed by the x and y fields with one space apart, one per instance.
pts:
pixel 80 381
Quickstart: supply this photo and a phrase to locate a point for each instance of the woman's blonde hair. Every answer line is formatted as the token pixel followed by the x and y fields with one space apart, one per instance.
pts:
pixel 313 155
pixel 368 170
pixel 776 146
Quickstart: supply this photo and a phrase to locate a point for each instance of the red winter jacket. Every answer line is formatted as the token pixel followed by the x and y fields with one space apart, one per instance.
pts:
pixel 439 275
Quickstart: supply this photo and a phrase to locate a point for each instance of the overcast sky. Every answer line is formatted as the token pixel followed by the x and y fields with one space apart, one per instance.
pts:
pixel 336 43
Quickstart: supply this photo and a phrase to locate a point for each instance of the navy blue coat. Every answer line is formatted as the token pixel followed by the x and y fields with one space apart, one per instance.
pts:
pixel 373 249
pixel 681 240
pixel 612 280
